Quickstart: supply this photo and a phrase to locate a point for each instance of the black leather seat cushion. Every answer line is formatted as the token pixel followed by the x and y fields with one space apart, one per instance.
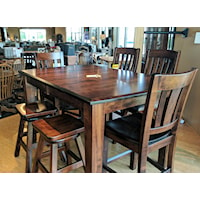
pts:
pixel 129 127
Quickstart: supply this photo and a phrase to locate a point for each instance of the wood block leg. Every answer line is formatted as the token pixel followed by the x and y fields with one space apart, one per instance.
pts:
pixel 19 137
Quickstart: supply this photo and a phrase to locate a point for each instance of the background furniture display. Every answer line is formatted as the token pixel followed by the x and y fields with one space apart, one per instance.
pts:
pixel 50 59
pixel 6 84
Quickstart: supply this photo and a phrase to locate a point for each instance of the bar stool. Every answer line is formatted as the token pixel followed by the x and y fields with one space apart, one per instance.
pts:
pixel 29 113
pixel 53 132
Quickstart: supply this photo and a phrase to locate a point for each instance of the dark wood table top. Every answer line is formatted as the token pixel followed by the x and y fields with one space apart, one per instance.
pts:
pixel 92 83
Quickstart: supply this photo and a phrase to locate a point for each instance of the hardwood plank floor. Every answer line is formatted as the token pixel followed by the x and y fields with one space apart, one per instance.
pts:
pixel 187 157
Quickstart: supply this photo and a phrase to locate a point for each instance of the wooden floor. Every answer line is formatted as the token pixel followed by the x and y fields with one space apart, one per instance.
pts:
pixel 187 157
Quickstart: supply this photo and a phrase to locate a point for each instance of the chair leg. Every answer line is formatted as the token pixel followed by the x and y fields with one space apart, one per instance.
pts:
pixel 81 148
pixel 19 137
pixel 142 161
pixel 63 153
pixel 171 153
pixel 29 148
pixel 105 152
pixel 54 158
pixel 162 156
pixel 133 160
pixel 38 154
pixel 34 136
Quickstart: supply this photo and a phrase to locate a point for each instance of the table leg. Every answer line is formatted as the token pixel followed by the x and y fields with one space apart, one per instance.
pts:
pixel 94 121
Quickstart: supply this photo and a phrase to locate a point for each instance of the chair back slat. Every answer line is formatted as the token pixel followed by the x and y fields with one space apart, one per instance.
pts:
pixel 161 61
pixel 127 58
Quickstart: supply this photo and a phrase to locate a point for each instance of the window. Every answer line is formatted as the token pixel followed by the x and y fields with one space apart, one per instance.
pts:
pixel 129 39
pixel 74 34
pixel 126 36
pixel 33 35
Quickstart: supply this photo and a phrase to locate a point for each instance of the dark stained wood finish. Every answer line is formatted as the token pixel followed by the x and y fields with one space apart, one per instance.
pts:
pixel 127 58
pixel 107 92
pixel 155 129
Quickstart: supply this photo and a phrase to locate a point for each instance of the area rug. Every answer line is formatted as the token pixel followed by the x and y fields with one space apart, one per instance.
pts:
pixel 7 114
pixel 8 107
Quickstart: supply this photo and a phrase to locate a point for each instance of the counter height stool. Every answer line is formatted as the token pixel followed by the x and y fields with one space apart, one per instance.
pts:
pixel 27 139
pixel 53 132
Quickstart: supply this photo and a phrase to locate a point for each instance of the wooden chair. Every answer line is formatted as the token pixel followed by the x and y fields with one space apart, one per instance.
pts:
pixel 6 83
pixel 30 111
pixel 53 132
pixel 18 90
pixel 159 61
pixel 46 60
pixel 51 59
pixel 26 136
pixel 54 59
pixel 29 60
pixel 155 129
pixel 126 58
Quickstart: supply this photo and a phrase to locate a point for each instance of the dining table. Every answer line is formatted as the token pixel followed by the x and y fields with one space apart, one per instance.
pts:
pixel 94 89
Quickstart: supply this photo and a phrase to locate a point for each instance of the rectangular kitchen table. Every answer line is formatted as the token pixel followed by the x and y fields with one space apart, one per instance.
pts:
pixel 96 90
